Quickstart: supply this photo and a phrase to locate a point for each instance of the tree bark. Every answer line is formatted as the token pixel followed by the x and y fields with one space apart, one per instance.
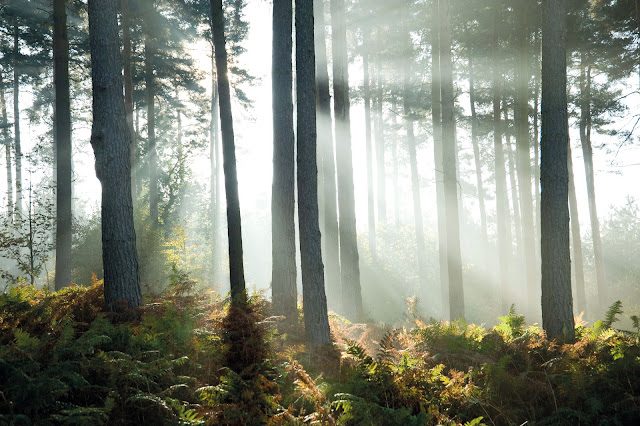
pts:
pixel 325 140
pixel 578 267
pixel 63 145
pixel 536 142
pixel 456 290
pixel 515 204
pixel 557 310
pixel 394 159
pixel 128 90
pixel 380 163
pixel 152 155
pixel 371 218
pixel 587 154
pixel 7 150
pixel 214 180
pixel 16 119
pixel 111 141
pixel 316 321
pixel 234 224
pixel 283 235
pixel 349 258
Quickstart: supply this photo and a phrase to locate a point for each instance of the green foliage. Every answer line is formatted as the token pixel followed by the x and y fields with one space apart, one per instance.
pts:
pixel 512 325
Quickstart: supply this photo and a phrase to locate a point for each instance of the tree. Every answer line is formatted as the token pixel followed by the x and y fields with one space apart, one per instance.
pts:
pixel 128 89
pixel 316 321
pixel 371 217
pixel 578 268
pixel 6 141
pixel 234 224
pixel 557 311
pixel 283 243
pixel 63 145
pixel 111 141
pixel 349 259
pixel 149 52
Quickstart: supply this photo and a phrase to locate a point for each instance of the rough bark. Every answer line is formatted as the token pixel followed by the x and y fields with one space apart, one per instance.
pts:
pixel 578 265
pixel 325 140
pixel 380 163
pixel 16 119
pixel 587 155
pixel 234 224
pixel 456 290
pixel 128 90
pixel 63 145
pixel 6 141
pixel 316 321
pixel 152 155
pixel 371 217
pixel 557 312
pixel 283 235
pixel 349 258
pixel 111 141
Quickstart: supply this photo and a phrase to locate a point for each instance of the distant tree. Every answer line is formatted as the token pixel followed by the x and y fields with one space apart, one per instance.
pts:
pixel 578 262
pixel 366 91
pixel 6 141
pixel 283 235
pixel 234 224
pixel 128 88
pixel 111 141
pixel 557 311
pixel 152 155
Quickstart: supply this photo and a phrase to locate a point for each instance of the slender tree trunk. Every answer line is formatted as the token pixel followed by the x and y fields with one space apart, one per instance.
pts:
pixel 149 53
pixel 214 211
pixel 557 310
pixel 456 290
pixel 349 258
pixel 325 140
pixel 7 150
pixel 503 219
pixel 234 224
pixel 476 156
pixel 578 267
pixel 380 163
pixel 536 144
pixel 63 145
pixel 587 153
pixel 16 118
pixel 517 224
pixel 394 158
pixel 111 142
pixel 369 150
pixel 316 321
pixel 128 91
pixel 436 117
pixel 283 235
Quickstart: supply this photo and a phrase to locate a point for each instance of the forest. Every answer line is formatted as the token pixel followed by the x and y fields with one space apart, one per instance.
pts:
pixel 340 212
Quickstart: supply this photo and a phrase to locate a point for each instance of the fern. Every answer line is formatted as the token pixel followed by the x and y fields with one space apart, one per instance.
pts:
pixel 611 316
pixel 386 352
pixel 635 320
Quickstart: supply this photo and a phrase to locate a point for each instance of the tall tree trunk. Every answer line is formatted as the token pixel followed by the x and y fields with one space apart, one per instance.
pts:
pixel 456 290
pixel 152 155
pixel 517 224
pixel 283 235
pixel 316 321
pixel 371 217
pixel 128 90
pixel 476 156
pixel 436 117
pixel 587 154
pixel 380 163
pixel 349 258
pixel 16 118
pixel 394 158
pixel 7 150
pixel 578 267
pixel 63 145
pixel 234 224
pixel 111 142
pixel 536 143
pixel 523 156
pixel 557 309
pixel 214 210
pixel 503 219
pixel 325 140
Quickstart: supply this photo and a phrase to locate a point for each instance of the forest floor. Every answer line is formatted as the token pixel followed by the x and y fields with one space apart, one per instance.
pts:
pixel 187 357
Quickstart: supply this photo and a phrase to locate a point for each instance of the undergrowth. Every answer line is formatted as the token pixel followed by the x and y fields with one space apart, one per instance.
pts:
pixel 188 358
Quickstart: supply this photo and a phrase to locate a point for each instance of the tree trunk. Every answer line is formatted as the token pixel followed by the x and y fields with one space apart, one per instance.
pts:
pixel 587 153
pixel 578 267
pixel 214 210
pixel 436 117
pixel 456 290
pixel 505 248
pixel 369 150
pixel 349 258
pixel 7 150
pixel 234 224
pixel 517 224
pixel 523 156
pixel 111 141
pixel 557 309
pixel 316 321
pixel 283 235
pixel 536 144
pixel 63 145
pixel 152 155
pixel 16 118
pixel 380 163
pixel 128 91
pixel 325 140
pixel 394 158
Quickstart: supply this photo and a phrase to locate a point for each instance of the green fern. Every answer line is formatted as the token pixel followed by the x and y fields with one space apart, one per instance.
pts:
pixel 635 320
pixel 611 316
pixel 386 352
